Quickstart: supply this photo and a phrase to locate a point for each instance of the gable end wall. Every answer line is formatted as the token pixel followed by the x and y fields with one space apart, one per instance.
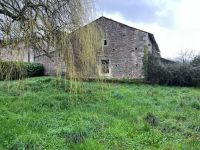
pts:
pixel 125 49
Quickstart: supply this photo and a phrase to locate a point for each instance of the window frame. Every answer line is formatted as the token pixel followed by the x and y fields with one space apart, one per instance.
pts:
pixel 105 66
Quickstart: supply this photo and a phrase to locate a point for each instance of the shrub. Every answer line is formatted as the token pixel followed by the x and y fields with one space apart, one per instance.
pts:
pixel 152 119
pixel 179 74
pixel 196 61
pixel 18 70
pixel 156 70
pixel 34 69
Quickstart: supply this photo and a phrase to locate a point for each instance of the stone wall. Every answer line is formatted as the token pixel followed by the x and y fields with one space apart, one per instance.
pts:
pixel 124 49
pixel 16 53
pixel 53 66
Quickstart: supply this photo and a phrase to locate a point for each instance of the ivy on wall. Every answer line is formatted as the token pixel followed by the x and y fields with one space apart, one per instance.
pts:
pixel 145 62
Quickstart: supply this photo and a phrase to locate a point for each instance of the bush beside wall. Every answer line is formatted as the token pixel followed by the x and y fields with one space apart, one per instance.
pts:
pixel 18 70
pixel 34 69
pixel 178 74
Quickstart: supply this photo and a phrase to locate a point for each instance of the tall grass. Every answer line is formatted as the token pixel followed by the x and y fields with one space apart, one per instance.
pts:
pixel 40 115
pixel 76 46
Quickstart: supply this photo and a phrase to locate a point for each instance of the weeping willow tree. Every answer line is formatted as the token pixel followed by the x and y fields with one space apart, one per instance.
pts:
pixel 52 25
pixel 46 26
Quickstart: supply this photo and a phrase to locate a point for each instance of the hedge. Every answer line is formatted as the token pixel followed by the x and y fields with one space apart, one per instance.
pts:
pixel 10 70
pixel 178 74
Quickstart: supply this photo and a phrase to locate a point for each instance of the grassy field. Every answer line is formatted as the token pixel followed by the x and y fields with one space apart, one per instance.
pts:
pixel 47 113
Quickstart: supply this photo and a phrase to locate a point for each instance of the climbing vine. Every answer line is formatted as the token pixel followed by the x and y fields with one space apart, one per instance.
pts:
pixel 145 62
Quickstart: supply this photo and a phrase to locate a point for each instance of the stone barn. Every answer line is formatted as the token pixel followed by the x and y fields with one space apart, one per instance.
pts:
pixel 16 52
pixel 123 49
pixel 121 53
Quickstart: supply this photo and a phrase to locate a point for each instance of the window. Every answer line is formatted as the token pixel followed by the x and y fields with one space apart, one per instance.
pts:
pixel 105 66
pixel 105 42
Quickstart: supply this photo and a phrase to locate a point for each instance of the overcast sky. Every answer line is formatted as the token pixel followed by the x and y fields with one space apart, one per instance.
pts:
pixel 174 23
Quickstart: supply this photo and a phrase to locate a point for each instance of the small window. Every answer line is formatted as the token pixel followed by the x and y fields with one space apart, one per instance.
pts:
pixel 105 66
pixel 105 42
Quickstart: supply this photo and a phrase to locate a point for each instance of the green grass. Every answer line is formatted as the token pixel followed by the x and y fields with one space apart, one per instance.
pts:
pixel 45 113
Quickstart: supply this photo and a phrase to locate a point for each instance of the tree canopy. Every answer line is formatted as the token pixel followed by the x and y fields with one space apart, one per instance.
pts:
pixel 32 20
pixel 44 25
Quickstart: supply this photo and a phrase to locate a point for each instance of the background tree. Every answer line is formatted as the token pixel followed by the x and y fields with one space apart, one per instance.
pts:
pixel 196 61
pixel 185 56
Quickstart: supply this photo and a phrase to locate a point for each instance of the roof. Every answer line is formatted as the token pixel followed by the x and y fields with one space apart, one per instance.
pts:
pixel 152 38
pixel 102 17
pixel 167 61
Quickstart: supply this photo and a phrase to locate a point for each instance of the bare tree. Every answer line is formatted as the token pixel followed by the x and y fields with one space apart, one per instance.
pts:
pixel 185 56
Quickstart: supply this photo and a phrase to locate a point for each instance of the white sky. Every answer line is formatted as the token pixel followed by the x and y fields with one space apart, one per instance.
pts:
pixel 185 35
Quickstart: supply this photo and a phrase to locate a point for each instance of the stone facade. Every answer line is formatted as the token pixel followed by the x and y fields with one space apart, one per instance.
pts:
pixel 123 49
pixel 121 54
pixel 18 52
pixel 53 66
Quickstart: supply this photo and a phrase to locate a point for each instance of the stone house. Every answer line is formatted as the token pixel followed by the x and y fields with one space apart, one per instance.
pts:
pixel 121 53
pixel 123 49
